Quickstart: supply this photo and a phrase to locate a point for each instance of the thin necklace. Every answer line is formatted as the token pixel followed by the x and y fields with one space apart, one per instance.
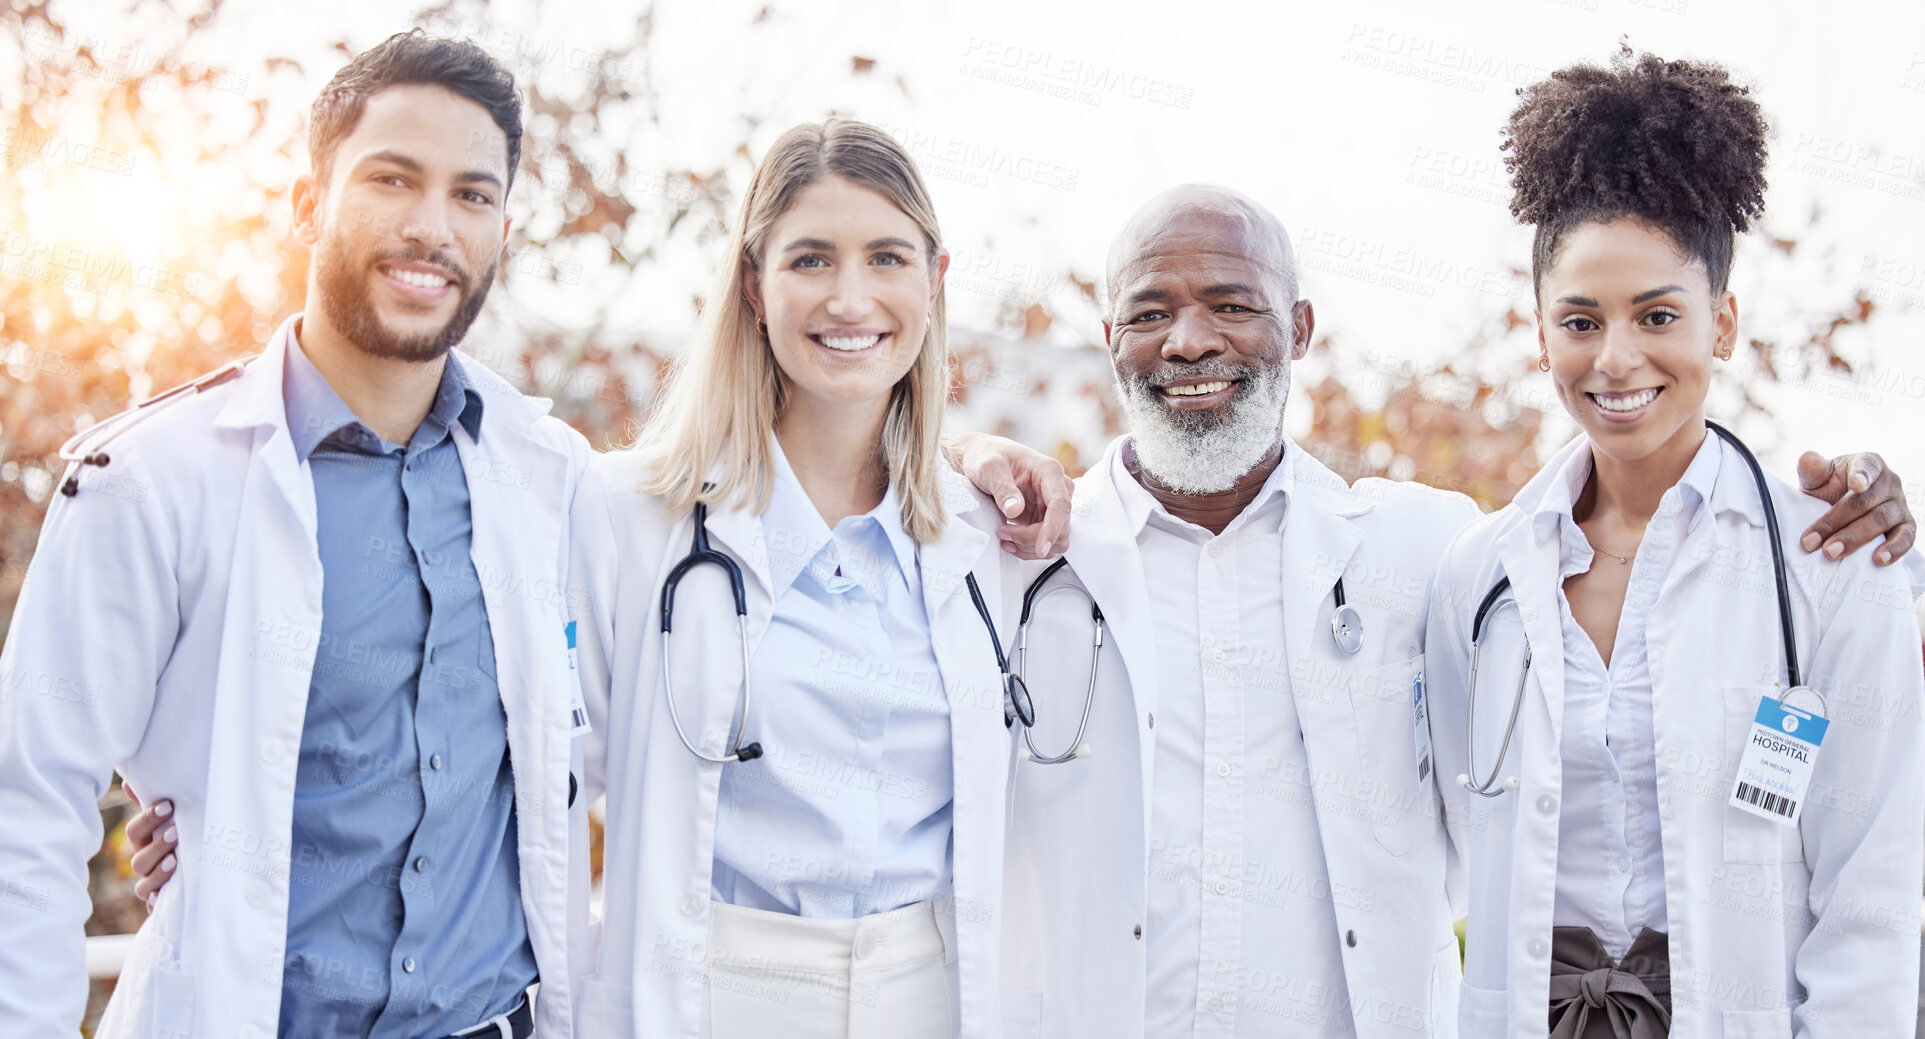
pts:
pixel 1626 560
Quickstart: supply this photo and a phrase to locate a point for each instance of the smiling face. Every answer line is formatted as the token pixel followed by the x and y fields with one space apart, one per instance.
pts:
pixel 1204 329
pixel 409 230
pixel 845 286
pixel 1631 327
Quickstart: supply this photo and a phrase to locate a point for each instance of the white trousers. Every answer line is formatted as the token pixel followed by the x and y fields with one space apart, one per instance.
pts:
pixel 885 976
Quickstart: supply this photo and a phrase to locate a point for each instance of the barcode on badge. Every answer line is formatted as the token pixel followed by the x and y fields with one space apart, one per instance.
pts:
pixel 578 717
pixel 1776 804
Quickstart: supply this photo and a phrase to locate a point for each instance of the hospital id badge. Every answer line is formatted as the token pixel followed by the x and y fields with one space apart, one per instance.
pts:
pixel 577 709
pixel 1420 717
pixel 1775 769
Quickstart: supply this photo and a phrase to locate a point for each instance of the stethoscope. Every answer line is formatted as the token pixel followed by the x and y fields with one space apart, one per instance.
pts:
pixel 1016 701
pixel 1488 785
pixel 1346 630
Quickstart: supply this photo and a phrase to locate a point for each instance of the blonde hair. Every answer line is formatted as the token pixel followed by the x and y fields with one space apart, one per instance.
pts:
pixel 708 439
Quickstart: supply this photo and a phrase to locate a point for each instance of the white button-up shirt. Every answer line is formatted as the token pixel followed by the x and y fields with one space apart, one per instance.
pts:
pixel 1610 856
pixel 848 811
pixel 1225 715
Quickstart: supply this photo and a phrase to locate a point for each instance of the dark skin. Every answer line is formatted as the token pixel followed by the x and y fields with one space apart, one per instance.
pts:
pixel 1195 285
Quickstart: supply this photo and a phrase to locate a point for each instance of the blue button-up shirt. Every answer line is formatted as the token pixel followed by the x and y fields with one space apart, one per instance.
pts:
pixel 849 810
pixel 404 906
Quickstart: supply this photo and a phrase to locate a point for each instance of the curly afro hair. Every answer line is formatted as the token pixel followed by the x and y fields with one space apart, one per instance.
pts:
pixel 1675 144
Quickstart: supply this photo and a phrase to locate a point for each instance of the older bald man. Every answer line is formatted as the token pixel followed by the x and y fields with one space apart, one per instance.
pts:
pixel 1251 846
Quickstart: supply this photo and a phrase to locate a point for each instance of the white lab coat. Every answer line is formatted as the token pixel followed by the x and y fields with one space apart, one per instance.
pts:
pixel 1774 931
pixel 659 843
pixel 167 630
pixel 1079 844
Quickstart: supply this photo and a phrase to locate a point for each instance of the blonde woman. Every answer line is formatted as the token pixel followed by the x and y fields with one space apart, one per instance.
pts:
pixel 813 847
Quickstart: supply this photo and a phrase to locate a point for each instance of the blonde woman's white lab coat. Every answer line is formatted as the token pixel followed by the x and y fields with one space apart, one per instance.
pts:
pixel 1774 931
pixel 649 979
pixel 1074 961
pixel 168 630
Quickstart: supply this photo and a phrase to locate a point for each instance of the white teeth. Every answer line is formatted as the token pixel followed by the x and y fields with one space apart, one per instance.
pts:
pixel 1199 389
pixel 1627 402
pixel 419 279
pixel 849 343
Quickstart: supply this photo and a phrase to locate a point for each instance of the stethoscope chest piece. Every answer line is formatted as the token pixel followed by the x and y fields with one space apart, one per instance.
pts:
pixel 1347 629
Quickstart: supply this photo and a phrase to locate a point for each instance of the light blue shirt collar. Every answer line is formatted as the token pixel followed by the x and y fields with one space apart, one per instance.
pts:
pixel 315 412
pixel 800 540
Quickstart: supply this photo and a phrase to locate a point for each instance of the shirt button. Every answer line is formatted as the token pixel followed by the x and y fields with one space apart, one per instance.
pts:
pixel 407 965
pixel 1216 549
pixel 1223 769
pixel 1152 721
pixel 691 906
pixel 1137 931
pixel 1219 656
pixel 1215 1004
pixel 1624 865
pixel 1222 887
pixel 1546 804
pixel 434 762
pixel 421 865
pixel 865 945
pixel 1538 949
pixel 1350 938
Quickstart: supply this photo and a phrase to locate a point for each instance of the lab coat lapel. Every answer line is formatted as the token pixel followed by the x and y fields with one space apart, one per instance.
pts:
pixel 1529 557
pixel 258 404
pixel 1106 558
pixel 1319 540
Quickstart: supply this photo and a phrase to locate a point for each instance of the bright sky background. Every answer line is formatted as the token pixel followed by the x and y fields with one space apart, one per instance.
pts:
pixel 1370 127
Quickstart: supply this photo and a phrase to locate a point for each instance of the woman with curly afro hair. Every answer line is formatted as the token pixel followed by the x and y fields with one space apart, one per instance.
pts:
pixel 1647 857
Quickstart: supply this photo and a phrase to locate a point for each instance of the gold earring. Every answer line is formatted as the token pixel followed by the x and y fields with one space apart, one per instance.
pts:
pixel 1724 352
pixel 1544 361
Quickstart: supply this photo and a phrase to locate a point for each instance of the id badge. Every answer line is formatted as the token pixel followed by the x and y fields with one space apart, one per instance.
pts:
pixel 577 708
pixel 1775 770
pixel 1420 719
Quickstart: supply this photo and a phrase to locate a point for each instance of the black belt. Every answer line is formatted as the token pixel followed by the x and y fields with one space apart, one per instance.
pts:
pixel 521 1024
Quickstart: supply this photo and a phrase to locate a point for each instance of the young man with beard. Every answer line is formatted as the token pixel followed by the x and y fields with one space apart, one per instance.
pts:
pixel 1252 845
pixel 315 604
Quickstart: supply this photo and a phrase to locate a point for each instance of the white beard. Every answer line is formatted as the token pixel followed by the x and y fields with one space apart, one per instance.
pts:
pixel 1193 452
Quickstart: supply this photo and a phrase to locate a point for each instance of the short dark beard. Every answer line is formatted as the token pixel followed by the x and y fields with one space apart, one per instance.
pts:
pixel 343 290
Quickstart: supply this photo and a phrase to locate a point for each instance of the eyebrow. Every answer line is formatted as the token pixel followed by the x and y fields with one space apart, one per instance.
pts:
pixel 408 162
pixel 825 245
pixel 1230 289
pixel 1643 297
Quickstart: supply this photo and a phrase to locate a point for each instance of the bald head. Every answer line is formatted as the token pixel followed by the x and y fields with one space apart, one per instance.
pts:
pixel 1229 220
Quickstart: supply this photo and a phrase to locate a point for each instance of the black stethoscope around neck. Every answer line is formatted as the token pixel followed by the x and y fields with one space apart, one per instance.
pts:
pixel 1488 785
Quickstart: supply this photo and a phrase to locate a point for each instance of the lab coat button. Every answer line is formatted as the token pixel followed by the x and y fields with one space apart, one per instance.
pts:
pixel 1137 931
pixel 865 945
pixel 258 895
pixel 1546 804
pixel 1538 949
pixel 691 906
pixel 1223 769
pixel 1222 887
pixel 1219 656
pixel 1350 938
pixel 1215 1004
pixel 1152 721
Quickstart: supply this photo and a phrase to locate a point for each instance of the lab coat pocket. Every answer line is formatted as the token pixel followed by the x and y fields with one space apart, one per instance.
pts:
pixel 1747 837
pixel 1022 1014
pixel 173 1003
pixel 1400 803
pixel 604 1011
pixel 1482 1011
pixel 1757 1024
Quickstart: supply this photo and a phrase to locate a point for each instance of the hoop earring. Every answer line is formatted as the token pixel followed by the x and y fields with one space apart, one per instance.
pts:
pixel 1544 361
pixel 762 327
pixel 1724 352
